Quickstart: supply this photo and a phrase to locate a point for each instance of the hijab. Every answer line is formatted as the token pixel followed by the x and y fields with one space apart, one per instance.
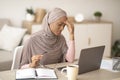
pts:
pixel 52 47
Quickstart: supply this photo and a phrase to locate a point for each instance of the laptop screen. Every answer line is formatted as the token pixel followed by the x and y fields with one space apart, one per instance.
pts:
pixel 90 59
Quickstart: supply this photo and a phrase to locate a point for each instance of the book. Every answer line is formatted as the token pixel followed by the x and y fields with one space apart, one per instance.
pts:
pixel 38 73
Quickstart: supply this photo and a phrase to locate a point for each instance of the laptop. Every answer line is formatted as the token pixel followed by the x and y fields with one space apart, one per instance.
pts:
pixel 90 59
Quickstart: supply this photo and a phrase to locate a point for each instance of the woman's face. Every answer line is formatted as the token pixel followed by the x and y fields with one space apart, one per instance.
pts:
pixel 57 26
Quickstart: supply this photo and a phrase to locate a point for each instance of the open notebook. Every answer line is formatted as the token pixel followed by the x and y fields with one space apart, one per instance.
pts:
pixel 32 73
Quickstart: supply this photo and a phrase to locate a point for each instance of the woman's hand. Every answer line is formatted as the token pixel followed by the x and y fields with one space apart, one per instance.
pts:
pixel 35 61
pixel 70 27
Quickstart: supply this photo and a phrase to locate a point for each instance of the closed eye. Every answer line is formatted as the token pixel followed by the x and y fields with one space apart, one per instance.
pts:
pixel 62 24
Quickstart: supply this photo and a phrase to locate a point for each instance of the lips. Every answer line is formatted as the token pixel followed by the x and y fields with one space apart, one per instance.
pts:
pixel 59 32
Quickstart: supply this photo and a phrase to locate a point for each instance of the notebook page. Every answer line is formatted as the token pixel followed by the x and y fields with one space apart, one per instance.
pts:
pixel 45 73
pixel 25 73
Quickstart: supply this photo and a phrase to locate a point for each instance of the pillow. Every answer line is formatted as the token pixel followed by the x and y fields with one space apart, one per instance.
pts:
pixel 3 22
pixel 10 37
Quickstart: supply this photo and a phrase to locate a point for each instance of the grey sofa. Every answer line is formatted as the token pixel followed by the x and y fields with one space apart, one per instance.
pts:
pixel 5 60
pixel 5 56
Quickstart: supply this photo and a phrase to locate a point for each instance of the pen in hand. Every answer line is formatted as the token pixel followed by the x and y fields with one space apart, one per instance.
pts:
pixel 35 61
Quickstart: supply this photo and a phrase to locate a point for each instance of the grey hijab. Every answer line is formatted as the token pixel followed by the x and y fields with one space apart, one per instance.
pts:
pixel 45 42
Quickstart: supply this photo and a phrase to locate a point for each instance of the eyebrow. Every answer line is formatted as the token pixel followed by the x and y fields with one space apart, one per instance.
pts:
pixel 61 23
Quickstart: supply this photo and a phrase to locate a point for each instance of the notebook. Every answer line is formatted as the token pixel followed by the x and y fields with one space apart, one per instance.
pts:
pixel 36 74
pixel 90 59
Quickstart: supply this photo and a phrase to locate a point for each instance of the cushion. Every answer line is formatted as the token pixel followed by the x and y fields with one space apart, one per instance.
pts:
pixel 3 22
pixel 10 37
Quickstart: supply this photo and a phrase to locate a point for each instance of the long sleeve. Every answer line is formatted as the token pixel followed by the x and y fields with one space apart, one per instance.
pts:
pixel 25 66
pixel 71 51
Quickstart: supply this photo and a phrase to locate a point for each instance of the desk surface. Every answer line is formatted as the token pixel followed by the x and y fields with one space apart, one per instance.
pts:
pixel 100 74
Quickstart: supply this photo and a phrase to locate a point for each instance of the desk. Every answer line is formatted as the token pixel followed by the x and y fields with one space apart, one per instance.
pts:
pixel 100 74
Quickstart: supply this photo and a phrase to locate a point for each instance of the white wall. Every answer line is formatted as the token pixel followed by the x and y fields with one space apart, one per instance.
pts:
pixel 15 10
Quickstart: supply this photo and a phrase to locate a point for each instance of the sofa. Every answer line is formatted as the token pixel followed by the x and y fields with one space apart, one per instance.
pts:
pixel 5 60
pixel 5 56
pixel 6 53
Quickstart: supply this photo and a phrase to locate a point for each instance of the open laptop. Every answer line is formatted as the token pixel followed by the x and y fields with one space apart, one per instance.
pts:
pixel 90 59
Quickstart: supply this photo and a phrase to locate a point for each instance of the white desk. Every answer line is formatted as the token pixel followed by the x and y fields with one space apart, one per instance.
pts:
pixel 100 74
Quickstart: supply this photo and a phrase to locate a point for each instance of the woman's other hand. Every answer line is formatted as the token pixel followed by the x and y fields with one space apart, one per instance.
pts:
pixel 35 61
pixel 70 27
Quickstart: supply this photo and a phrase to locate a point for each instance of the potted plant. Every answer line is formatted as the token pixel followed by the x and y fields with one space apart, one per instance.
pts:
pixel 116 49
pixel 98 15
pixel 30 15
pixel 116 55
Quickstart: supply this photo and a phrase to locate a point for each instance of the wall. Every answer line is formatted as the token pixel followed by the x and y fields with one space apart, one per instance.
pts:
pixel 15 10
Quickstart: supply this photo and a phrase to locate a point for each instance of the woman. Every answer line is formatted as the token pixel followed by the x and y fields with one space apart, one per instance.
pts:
pixel 48 45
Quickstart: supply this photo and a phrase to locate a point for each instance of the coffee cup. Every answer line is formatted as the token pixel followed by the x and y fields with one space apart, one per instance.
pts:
pixel 72 72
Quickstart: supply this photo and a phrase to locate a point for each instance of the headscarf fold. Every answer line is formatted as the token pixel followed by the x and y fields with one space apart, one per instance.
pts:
pixel 45 42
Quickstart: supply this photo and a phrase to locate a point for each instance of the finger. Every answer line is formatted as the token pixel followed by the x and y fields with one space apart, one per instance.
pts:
pixel 67 22
pixel 35 62
pixel 40 56
pixel 36 56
